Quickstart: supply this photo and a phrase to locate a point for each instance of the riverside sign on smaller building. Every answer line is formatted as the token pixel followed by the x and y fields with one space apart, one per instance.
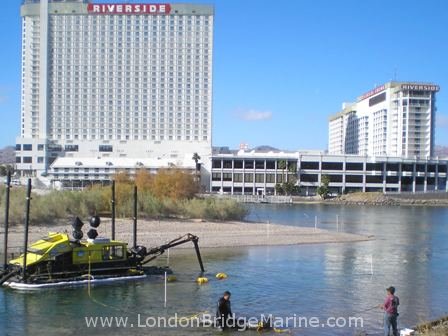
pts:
pixel 419 87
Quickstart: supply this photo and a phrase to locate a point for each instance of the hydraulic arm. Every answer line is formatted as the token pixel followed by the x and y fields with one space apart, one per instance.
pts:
pixel 154 252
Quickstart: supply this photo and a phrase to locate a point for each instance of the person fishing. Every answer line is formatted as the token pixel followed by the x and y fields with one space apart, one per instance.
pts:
pixel 390 307
pixel 224 310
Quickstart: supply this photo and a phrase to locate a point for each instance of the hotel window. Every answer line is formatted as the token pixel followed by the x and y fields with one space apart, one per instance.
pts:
pixel 310 165
pixel 392 167
pixel 354 166
pixel 105 148
pixel 259 164
pixel 374 166
pixel 331 165
pixel 336 178
pixel 216 164
pixel 374 179
pixel 248 164
pixel 420 168
pixel 227 177
pixel 248 178
pixel 238 164
pixel 227 164
pixel 442 168
pixel 353 178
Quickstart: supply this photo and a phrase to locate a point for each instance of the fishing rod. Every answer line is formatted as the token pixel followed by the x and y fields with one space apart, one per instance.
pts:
pixel 367 310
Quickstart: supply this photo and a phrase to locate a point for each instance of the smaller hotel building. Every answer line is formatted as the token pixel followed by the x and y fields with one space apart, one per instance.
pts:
pixel 395 119
pixel 257 173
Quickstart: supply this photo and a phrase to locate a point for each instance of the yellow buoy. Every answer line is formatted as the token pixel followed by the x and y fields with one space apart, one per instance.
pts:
pixel 171 278
pixel 221 276
pixel 201 280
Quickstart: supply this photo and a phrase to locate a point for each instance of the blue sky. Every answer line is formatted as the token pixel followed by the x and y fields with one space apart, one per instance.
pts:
pixel 281 68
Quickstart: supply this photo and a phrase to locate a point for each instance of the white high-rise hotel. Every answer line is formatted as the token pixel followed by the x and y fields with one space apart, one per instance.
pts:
pixel 395 119
pixel 114 81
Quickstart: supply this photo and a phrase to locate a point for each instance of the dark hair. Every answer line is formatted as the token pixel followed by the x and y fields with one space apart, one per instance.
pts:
pixel 227 293
pixel 391 289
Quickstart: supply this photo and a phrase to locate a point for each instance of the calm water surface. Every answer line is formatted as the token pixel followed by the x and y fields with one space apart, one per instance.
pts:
pixel 410 251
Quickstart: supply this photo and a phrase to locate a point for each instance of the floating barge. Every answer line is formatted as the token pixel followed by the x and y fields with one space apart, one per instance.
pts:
pixel 59 260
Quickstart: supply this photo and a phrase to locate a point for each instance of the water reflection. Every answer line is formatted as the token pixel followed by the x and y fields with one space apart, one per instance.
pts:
pixel 409 251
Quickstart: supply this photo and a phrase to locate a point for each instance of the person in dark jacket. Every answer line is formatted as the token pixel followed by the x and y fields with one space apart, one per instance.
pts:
pixel 224 310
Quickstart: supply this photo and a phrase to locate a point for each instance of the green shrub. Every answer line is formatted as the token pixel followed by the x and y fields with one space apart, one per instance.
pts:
pixel 57 205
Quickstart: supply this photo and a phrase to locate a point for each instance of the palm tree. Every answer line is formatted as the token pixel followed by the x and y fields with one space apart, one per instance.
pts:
pixel 196 159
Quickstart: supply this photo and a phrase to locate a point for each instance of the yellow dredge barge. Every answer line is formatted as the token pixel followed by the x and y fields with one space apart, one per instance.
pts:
pixel 58 260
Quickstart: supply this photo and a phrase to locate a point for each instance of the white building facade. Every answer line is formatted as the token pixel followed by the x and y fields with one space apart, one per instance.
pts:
pixel 130 81
pixel 258 173
pixel 395 119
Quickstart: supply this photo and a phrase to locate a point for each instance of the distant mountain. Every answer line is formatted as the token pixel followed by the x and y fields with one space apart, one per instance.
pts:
pixel 7 155
pixel 441 151
pixel 266 149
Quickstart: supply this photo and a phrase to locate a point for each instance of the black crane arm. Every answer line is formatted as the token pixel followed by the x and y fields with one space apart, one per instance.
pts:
pixel 159 250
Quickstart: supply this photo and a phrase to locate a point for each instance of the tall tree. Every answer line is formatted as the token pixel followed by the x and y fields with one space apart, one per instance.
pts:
pixel 196 159
pixel 323 190
pixel 282 165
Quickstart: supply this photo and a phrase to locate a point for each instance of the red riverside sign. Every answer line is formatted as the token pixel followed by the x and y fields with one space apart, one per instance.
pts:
pixel 372 92
pixel 129 9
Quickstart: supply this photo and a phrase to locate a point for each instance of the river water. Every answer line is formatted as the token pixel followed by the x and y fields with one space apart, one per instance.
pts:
pixel 410 251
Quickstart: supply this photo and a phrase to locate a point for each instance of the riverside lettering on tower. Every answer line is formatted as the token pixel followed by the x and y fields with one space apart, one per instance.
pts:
pixel 129 8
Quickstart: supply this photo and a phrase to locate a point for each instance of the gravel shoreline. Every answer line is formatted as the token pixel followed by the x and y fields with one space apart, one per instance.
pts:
pixel 211 234
pixel 430 199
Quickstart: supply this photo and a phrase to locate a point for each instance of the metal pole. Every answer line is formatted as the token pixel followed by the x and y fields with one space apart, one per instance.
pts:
pixel 135 216
pixel 165 288
pixel 5 241
pixel 27 224
pixel 315 223
pixel 267 230
pixel 113 210
pixel 337 222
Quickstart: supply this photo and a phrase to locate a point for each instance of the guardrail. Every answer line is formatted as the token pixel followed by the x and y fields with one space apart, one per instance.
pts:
pixel 272 199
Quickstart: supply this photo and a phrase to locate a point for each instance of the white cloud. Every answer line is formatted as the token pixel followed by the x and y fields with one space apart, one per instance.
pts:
pixel 442 121
pixel 253 115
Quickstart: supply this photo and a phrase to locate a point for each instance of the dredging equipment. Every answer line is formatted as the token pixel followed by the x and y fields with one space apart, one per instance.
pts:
pixel 58 260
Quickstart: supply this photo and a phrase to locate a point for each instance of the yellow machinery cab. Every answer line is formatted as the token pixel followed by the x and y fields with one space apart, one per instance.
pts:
pixel 45 249
pixel 100 250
